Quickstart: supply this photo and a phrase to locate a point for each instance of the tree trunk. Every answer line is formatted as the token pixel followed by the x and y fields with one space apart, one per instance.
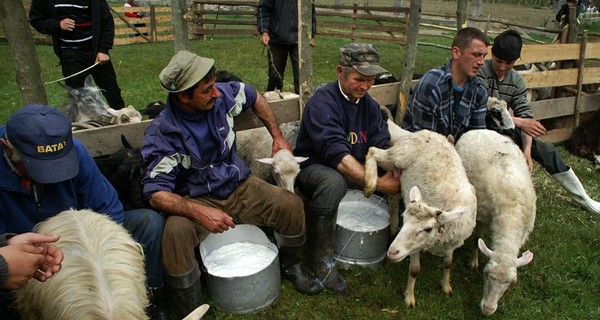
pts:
pixel 304 49
pixel 461 14
pixel 22 49
pixel 180 28
pixel 410 56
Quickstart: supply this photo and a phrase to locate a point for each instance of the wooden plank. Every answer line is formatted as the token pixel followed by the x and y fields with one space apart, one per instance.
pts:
pixel 106 140
pixel 557 135
pixel 559 107
pixel 225 22
pixel 563 77
pixel 225 31
pixel 386 93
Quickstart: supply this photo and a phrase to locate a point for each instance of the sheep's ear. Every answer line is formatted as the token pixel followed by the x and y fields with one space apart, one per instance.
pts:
pixel 525 258
pixel 300 159
pixel 415 194
pixel 449 216
pixel 88 81
pixel 484 248
pixel 268 161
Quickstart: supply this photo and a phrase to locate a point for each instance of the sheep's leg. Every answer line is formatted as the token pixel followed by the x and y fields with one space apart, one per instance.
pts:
pixel 413 271
pixel 446 288
pixel 474 263
pixel 373 156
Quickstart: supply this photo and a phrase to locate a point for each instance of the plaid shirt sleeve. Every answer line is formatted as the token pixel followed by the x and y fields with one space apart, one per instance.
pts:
pixel 421 113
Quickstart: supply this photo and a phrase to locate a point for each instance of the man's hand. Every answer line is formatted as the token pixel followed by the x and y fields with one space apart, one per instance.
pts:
pixel 264 39
pixel 389 183
pixel 67 24
pixel 531 127
pixel 102 58
pixel 213 219
pixel 30 255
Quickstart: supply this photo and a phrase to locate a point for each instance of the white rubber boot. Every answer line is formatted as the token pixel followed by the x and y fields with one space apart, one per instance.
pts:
pixel 571 183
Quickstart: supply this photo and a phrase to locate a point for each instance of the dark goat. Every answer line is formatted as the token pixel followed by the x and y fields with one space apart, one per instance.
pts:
pixel 153 109
pixel 585 140
pixel 124 169
pixel 226 76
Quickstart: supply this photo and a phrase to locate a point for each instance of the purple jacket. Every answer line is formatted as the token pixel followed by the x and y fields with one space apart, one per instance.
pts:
pixel 194 153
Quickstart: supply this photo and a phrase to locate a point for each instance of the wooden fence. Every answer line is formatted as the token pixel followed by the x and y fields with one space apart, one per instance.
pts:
pixel 342 21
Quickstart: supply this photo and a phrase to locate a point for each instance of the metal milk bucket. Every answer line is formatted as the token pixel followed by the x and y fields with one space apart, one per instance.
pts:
pixel 248 293
pixel 362 230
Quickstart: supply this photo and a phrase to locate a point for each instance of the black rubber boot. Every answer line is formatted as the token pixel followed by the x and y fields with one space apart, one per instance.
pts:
pixel 158 308
pixel 321 237
pixel 185 291
pixel 290 261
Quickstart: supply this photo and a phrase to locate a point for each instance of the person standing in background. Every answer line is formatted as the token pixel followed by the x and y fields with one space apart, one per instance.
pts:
pixel 82 33
pixel 277 23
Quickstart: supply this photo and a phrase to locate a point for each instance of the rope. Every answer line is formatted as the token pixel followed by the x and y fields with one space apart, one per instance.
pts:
pixel 346 244
pixel 61 79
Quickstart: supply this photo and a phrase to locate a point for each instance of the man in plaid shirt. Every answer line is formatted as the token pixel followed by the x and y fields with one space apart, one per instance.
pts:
pixel 450 99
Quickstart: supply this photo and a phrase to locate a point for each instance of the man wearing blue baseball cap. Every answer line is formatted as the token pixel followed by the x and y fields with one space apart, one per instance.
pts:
pixel 44 171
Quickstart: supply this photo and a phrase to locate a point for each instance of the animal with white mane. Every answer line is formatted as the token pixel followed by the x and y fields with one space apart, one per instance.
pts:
pixel 102 275
pixel 441 203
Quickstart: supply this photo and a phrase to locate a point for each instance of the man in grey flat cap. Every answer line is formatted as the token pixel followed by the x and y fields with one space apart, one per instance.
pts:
pixel 339 124
pixel 194 175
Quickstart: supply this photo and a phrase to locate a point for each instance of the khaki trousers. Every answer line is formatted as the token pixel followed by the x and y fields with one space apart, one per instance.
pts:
pixel 254 202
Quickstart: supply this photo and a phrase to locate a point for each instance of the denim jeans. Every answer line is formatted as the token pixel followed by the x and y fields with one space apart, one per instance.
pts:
pixel 146 227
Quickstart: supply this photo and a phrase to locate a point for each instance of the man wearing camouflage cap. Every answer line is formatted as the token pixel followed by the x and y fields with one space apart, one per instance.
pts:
pixel 195 176
pixel 339 124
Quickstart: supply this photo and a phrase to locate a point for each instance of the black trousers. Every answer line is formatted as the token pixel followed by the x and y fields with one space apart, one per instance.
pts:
pixel 73 61
pixel 278 55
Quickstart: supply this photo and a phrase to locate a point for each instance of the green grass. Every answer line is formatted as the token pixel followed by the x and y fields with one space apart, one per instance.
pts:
pixel 562 282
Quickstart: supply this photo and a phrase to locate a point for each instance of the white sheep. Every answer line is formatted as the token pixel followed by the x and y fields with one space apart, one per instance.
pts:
pixel 102 275
pixel 505 203
pixel 429 162
pixel 285 168
pixel 257 143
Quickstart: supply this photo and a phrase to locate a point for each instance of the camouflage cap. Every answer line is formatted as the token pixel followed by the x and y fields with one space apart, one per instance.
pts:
pixel 184 70
pixel 363 57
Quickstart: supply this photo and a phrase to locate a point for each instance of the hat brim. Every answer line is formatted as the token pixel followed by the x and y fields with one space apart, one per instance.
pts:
pixel 370 70
pixel 52 170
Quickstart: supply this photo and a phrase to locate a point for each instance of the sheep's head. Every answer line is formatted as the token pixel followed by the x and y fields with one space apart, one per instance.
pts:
pixel 285 168
pixel 126 115
pixel 420 228
pixel 86 103
pixel 500 273
pixel 498 118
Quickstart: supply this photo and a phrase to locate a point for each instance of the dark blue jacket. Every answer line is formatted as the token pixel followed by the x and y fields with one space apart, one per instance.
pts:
pixel 194 153
pixel 333 127
pixel 44 19
pixel 20 210
pixel 280 19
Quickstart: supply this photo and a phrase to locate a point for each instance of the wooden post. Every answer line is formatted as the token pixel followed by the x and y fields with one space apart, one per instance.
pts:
pixel 461 14
pixel 153 35
pixel 476 8
pixel 304 51
pixel 572 34
pixel 580 77
pixel 180 28
pixel 355 12
pixel 410 56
